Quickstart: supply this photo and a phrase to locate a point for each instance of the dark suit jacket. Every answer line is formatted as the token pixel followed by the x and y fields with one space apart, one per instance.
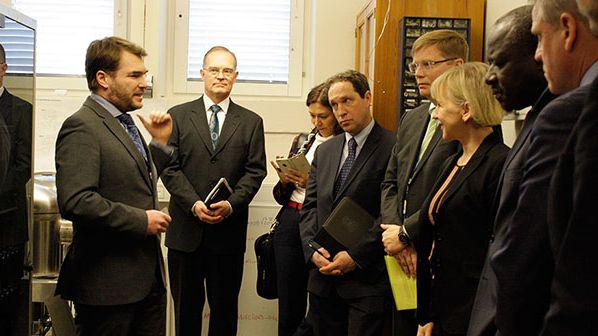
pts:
pixel 362 186
pixel 461 236
pixel 4 149
pixel 18 117
pixel 505 203
pixel 396 186
pixel 572 228
pixel 523 263
pixel 239 157
pixel 104 187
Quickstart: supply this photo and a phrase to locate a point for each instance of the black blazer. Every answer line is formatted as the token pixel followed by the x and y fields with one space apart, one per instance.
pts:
pixel 396 186
pixel 104 187
pixel 239 156
pixel 18 118
pixel 505 204
pixel 461 235
pixel 523 263
pixel 362 185
pixel 572 227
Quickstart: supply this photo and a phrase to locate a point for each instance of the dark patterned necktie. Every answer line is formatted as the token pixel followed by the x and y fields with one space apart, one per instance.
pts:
pixel 346 168
pixel 133 132
pixel 214 126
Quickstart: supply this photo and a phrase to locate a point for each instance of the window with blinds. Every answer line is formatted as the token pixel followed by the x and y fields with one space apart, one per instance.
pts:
pixel 64 30
pixel 265 35
pixel 258 32
pixel 17 41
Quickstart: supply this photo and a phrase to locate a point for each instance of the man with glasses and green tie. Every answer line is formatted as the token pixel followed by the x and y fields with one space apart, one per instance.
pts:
pixel 416 158
pixel 213 137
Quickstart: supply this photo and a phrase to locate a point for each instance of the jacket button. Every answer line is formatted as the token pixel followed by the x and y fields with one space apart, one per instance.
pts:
pixel 213 160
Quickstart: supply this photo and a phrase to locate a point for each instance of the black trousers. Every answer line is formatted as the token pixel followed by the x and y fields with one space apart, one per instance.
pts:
pixel 192 276
pixel 336 316
pixel 404 322
pixel 144 318
pixel 11 290
pixel 291 272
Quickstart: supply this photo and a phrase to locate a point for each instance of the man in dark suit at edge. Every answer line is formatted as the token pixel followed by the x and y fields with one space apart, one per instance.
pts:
pixel 16 117
pixel 417 156
pixel 524 262
pixel 572 218
pixel 213 137
pixel 517 81
pixel 106 183
pixel 348 292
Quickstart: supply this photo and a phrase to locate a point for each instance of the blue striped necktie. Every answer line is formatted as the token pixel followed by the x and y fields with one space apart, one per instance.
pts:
pixel 133 132
pixel 342 175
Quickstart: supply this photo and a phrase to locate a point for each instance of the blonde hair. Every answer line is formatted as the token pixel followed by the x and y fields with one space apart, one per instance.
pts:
pixel 465 84
pixel 449 43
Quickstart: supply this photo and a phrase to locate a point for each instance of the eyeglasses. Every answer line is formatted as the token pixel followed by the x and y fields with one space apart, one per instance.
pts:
pixel 213 71
pixel 428 65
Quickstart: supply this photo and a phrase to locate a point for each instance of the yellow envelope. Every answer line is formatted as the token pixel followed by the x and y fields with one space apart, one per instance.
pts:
pixel 404 289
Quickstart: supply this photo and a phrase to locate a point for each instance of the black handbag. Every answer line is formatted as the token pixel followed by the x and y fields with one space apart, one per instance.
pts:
pixel 266 264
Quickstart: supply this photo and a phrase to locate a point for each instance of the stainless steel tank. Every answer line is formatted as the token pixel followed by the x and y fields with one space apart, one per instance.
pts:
pixel 47 223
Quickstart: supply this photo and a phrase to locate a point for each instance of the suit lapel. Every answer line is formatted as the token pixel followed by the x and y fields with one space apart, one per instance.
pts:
pixel 365 153
pixel 121 134
pixel 471 166
pixel 231 122
pixel 433 142
pixel 332 164
pixel 199 121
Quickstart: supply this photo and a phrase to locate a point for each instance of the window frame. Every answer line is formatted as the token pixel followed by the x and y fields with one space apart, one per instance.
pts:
pixel 292 88
pixel 61 84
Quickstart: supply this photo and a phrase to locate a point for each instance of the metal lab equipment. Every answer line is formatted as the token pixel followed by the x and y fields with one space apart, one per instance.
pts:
pixel 47 227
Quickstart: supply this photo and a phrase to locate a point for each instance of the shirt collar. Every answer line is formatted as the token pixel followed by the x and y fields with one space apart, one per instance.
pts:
pixel 1 90
pixel 590 75
pixel 431 108
pixel 107 105
pixel 361 136
pixel 223 104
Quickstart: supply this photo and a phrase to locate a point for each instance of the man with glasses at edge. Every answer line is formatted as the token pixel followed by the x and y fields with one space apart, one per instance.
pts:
pixel 416 158
pixel 213 137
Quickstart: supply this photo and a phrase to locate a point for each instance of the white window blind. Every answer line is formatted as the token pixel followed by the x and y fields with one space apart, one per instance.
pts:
pixel 257 31
pixel 64 30
pixel 17 41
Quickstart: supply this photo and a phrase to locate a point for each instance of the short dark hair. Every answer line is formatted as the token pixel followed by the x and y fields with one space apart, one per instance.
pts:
pixel 219 48
pixel 104 55
pixel 2 54
pixel 519 21
pixel 356 78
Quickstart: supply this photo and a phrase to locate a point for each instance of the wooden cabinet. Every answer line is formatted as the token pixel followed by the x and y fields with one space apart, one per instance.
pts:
pixel 386 42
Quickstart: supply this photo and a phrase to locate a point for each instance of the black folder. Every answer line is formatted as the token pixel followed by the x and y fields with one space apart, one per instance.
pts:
pixel 220 192
pixel 345 227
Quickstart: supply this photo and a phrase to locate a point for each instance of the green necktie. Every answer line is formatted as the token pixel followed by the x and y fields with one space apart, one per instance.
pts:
pixel 432 125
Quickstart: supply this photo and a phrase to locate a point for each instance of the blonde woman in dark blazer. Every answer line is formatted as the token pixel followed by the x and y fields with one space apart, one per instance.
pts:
pixel 456 219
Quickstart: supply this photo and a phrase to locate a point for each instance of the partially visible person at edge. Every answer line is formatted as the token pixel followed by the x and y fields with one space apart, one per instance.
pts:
pixel 517 81
pixel 454 228
pixel 289 192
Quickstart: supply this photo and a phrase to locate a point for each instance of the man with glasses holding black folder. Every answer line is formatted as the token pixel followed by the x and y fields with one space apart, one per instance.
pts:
pixel 417 157
pixel 213 138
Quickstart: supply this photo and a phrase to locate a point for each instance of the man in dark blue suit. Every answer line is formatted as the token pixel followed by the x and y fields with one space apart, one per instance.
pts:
pixel 348 292
pixel 524 262
pixel 572 218
pixel 517 81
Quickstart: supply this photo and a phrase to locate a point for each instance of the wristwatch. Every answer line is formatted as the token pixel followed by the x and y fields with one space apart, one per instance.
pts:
pixel 403 236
